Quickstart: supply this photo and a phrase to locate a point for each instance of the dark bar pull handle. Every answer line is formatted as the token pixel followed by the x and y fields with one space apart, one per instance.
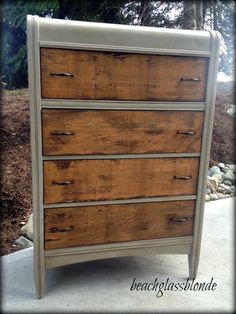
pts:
pixel 57 229
pixel 62 182
pixel 186 132
pixel 61 133
pixel 182 177
pixel 178 219
pixel 61 74
pixel 190 79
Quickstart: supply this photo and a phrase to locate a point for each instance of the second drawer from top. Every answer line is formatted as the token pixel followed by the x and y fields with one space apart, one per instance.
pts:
pixel 81 132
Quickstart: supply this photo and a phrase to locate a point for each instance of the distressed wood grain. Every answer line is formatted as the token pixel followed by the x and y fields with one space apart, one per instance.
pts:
pixel 121 76
pixel 76 226
pixel 120 132
pixel 110 179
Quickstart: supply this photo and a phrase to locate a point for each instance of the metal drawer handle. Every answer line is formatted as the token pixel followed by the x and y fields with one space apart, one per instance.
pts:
pixel 61 133
pixel 186 132
pixel 178 220
pixel 61 74
pixel 190 79
pixel 56 229
pixel 62 182
pixel 182 177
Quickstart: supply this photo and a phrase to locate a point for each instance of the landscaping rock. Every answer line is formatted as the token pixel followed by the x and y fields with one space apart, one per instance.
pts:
pixel 222 185
pixel 23 242
pixel 232 189
pixel 214 170
pixel 214 197
pixel 210 187
pixel 28 228
pixel 214 182
pixel 220 195
pixel 219 177
pixel 232 167
pixel 227 182
pixel 229 175
pixel 228 189
pixel 221 189
pixel 226 168
pixel 231 111
pixel 221 182
pixel 221 166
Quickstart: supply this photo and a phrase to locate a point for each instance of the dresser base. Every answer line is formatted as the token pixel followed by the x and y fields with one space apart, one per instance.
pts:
pixel 62 257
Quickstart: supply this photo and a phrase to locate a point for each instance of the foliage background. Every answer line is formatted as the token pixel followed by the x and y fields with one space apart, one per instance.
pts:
pixel 195 14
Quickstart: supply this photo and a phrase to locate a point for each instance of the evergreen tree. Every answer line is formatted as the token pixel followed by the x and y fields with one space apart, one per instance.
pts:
pixel 195 14
pixel 13 37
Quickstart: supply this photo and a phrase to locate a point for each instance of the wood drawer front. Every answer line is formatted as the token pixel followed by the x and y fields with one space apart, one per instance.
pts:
pixel 71 132
pixel 111 179
pixel 121 76
pixel 67 227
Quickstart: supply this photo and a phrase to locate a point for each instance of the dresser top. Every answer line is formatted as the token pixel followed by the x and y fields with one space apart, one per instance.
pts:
pixel 120 37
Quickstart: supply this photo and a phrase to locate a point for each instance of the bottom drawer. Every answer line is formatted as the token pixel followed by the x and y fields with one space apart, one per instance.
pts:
pixel 76 226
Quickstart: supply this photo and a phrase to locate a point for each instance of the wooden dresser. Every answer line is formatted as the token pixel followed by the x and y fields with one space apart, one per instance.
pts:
pixel 121 123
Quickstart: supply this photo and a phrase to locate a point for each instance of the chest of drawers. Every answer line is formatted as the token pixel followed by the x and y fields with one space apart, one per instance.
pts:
pixel 121 121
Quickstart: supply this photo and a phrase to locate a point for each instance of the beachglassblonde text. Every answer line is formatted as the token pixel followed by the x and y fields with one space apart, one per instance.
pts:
pixel 167 285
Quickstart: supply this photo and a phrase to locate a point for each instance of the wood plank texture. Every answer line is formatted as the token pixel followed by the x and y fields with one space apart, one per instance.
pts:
pixel 120 132
pixel 110 179
pixel 68 227
pixel 121 76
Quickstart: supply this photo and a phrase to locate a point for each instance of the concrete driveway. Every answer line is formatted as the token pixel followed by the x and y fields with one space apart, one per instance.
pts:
pixel 104 286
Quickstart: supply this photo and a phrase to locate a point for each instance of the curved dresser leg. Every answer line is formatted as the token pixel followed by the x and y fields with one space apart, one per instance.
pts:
pixel 39 283
pixel 193 266
pixel 39 271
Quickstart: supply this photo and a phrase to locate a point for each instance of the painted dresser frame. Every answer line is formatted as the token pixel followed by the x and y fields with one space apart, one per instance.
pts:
pixel 45 32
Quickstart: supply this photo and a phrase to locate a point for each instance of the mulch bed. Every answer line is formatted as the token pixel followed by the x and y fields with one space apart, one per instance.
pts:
pixel 16 161
pixel 16 167
pixel 223 137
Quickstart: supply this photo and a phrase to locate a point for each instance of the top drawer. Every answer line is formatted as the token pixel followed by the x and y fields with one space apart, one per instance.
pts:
pixel 79 74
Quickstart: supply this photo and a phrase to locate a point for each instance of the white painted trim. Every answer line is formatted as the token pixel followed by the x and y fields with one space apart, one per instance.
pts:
pixel 123 156
pixel 120 246
pixel 61 260
pixel 35 124
pixel 121 105
pixel 127 201
pixel 205 153
pixel 122 37
pixel 178 245
pixel 124 49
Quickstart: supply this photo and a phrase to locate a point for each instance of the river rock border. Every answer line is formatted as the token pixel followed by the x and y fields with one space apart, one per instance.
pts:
pixel 221 182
